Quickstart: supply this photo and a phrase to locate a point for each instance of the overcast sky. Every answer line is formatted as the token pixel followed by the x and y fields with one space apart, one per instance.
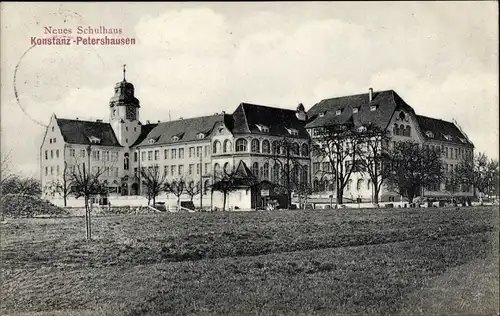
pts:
pixel 192 59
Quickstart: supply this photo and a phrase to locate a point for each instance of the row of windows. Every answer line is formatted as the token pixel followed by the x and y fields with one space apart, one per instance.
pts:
pixel 177 153
pixel 52 140
pixel 173 170
pixel 257 147
pixel 263 172
pixel 104 171
pixel 401 130
pixel 52 151
pixel 452 153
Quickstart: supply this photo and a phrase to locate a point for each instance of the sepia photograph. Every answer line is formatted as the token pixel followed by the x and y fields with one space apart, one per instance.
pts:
pixel 249 158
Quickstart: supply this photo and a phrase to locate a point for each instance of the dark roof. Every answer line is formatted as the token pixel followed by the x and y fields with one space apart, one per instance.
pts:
pixel 247 116
pixel 78 132
pixel 387 102
pixel 186 129
pixel 440 128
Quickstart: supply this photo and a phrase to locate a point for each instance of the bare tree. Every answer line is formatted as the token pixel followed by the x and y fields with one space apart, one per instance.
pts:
pixel 177 188
pixel 413 167
pixel 338 144
pixel 373 155
pixel 479 172
pixel 63 185
pixel 285 153
pixel 86 183
pixel 192 189
pixel 229 181
pixel 154 182
pixel 452 183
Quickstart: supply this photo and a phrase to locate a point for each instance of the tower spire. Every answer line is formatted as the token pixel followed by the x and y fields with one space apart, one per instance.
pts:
pixel 124 71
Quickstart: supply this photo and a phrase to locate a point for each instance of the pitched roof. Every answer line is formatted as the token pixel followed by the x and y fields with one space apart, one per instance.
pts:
pixel 440 128
pixel 185 129
pixel 247 116
pixel 386 103
pixel 78 132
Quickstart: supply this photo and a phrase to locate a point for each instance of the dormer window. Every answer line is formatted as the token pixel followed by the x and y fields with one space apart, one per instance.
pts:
pixel 292 131
pixel 355 110
pixel 151 141
pixel 201 135
pixel 338 112
pixel 262 128
pixel 362 129
pixel 175 138
pixel 373 107
pixel 463 140
pixel 322 114
pixel 447 137
pixel 94 140
pixel 429 134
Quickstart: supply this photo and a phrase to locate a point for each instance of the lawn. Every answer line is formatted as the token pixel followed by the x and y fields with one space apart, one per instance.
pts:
pixel 321 262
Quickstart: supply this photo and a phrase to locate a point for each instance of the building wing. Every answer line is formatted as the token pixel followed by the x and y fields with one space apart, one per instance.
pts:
pixel 87 132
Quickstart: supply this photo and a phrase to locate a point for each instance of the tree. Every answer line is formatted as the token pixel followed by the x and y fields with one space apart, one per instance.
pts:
pixel 286 154
pixel 177 188
pixel 479 172
pixel 338 144
pixel 86 183
pixel 452 183
pixel 303 190
pixel 153 181
pixel 413 167
pixel 193 189
pixel 373 155
pixel 61 186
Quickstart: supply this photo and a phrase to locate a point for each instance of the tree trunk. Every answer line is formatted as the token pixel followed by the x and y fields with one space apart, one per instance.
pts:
pixel 224 202
pixel 340 198
pixel 154 201
pixel 86 218
pixel 376 193
pixel 65 201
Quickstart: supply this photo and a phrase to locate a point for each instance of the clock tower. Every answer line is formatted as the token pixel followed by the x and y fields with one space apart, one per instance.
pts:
pixel 124 113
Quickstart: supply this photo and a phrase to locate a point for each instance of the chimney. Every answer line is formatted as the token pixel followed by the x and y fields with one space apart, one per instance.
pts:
pixel 223 112
pixel 370 94
pixel 98 121
pixel 147 122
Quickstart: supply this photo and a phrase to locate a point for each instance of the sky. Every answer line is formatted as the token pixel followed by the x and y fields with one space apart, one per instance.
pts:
pixel 193 59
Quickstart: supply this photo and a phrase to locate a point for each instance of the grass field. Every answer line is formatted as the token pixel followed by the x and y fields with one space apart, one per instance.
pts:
pixel 387 261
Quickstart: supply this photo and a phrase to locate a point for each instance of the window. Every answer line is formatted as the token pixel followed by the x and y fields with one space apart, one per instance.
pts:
pixel 150 155
pixel 165 170
pixel 198 168
pixel 191 168
pixel 255 169
pixel 373 107
pixel 82 153
pixel 116 172
pixel 262 128
pixel 349 185
pixel 316 167
pixel 359 185
pixel 276 173
pixel 338 112
pixel 241 145
pixel 206 186
pixel 94 140
pixel 95 155
pixel 276 147
pixel 395 129
pixel 446 152
pixel 174 153
pixel 201 135
pixel 227 167
pixel 216 147
pixel 227 146
pixel 181 153
pixel 295 149
pixel 51 154
pixel 191 152
pixel 125 161
pixel 448 137
pixel 266 147
pixel 157 154
pixel 255 146
pixel 143 156
pixel 429 134
pixel 172 169
pixel 151 141
pixel 408 131
pixel 292 131
pixel 126 128
pixel 207 168
pixel 51 170
pixel 175 138
pixel 198 151
pixel 265 171
pixel 305 150
pixel 207 150
pixel 456 153
pixel 47 154
pixel 181 170
pixel 46 171
pixel 216 169
pixel 52 128
pixel 355 110
pixel 57 153
pixel 326 166
pixel 165 154
pixel 135 156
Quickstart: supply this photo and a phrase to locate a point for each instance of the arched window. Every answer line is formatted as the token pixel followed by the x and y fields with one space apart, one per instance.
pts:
pixel 304 176
pixel 206 186
pixel 217 147
pixel 359 185
pixel 265 147
pixel 316 185
pixel 265 171
pixel 125 162
pixel 401 130
pixel 295 149
pixel 276 147
pixel 349 185
pixel 241 145
pixel 227 167
pixel 216 169
pixel 304 150
pixel 255 169
pixel 408 131
pixel 255 146
pixel 227 146
pixel 395 129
